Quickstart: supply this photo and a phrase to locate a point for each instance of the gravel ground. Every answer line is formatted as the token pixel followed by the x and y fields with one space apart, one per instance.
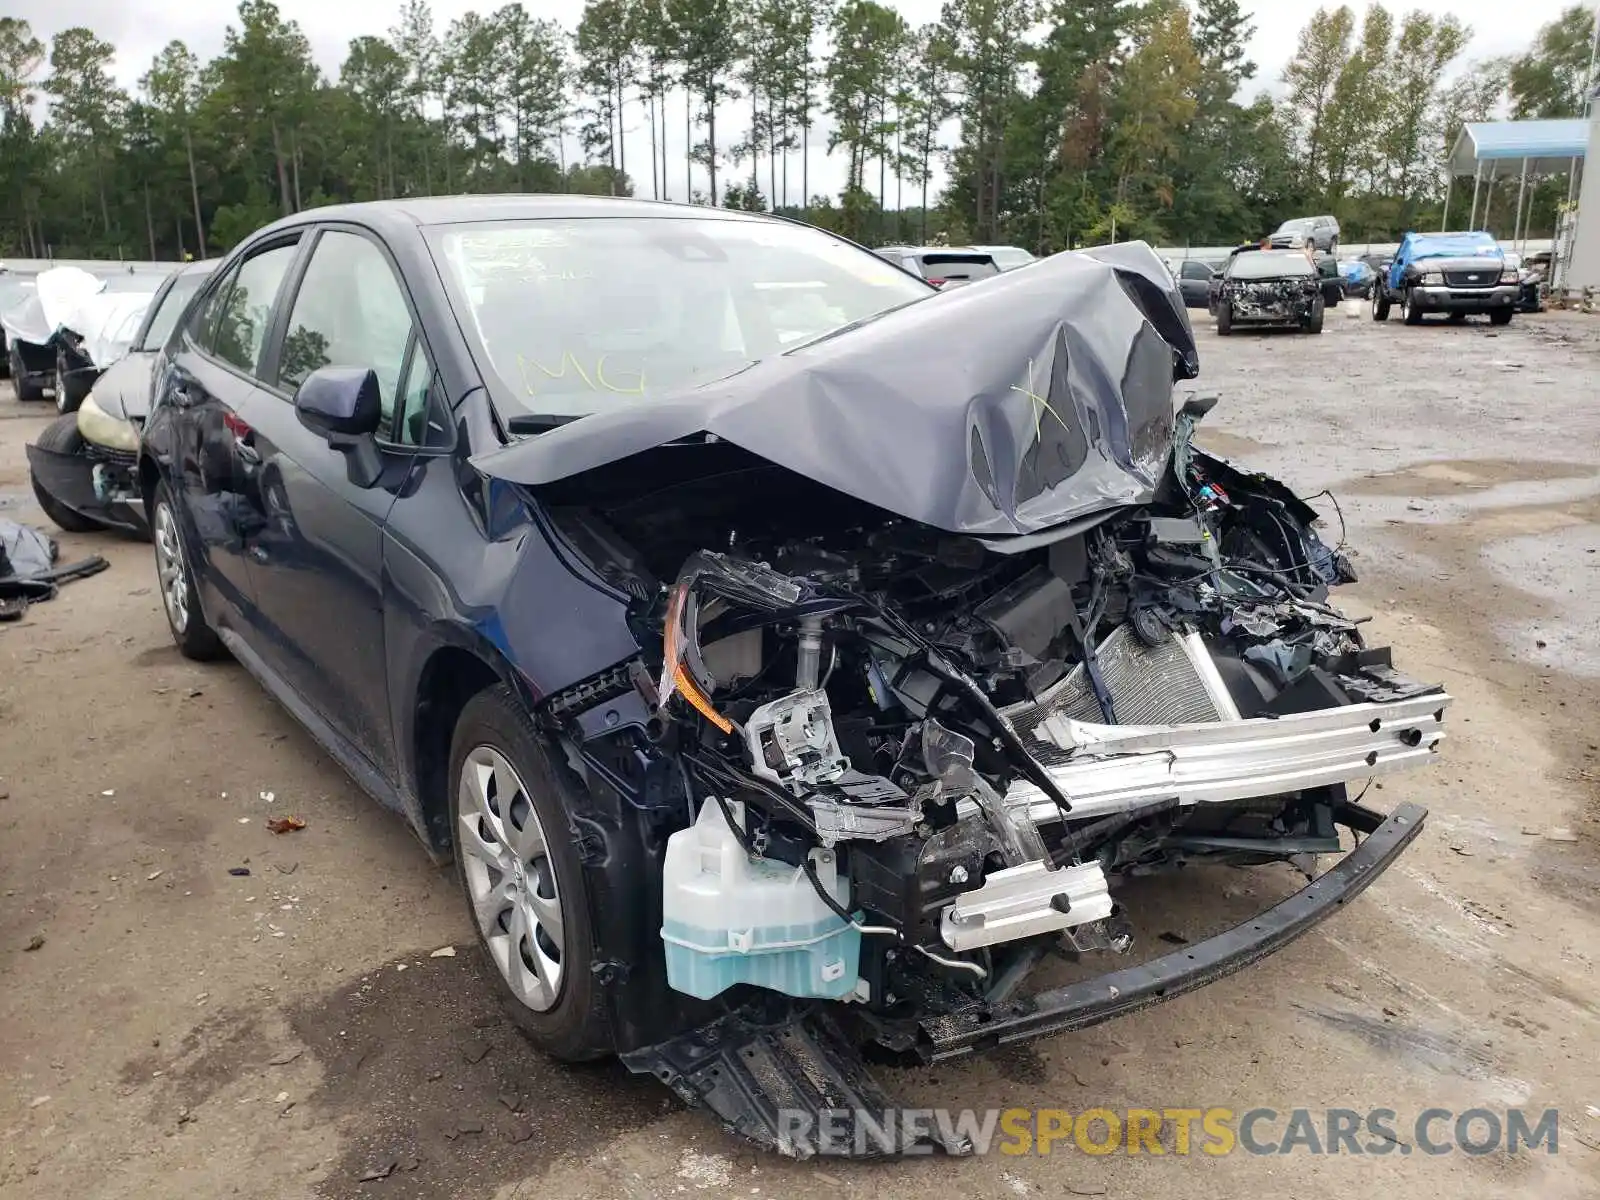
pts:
pixel 174 1029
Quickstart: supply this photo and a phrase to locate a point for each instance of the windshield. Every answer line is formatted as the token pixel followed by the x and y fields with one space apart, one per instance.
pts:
pixel 1260 264
pixel 172 306
pixel 578 316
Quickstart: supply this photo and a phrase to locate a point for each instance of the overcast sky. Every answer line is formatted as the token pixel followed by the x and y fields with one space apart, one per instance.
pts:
pixel 139 28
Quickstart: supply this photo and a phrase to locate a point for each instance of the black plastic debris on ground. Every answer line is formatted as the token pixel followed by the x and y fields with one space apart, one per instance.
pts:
pixel 28 570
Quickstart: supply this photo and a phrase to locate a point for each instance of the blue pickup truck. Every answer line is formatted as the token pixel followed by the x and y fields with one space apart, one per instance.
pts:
pixel 1454 273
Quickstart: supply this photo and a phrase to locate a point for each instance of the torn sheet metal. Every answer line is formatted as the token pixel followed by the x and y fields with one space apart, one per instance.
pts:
pixel 1007 408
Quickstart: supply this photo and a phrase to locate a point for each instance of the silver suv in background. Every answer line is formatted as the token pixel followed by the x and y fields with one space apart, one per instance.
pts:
pixel 1320 232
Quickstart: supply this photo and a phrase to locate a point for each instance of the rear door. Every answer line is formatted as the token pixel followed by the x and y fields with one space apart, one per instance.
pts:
pixel 316 555
pixel 212 376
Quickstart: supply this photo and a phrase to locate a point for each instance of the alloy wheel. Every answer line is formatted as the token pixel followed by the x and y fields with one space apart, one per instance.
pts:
pixel 171 569
pixel 510 877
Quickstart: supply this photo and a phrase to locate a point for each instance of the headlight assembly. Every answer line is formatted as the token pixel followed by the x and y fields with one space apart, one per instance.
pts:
pixel 100 427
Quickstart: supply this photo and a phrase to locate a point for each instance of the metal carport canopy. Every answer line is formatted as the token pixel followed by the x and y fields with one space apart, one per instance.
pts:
pixel 1547 145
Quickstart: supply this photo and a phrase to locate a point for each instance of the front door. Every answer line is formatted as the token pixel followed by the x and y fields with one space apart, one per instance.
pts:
pixel 316 547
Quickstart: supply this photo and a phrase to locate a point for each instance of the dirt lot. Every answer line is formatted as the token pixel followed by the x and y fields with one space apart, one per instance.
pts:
pixel 185 1031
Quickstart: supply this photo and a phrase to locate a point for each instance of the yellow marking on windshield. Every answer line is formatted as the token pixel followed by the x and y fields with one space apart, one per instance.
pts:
pixel 596 379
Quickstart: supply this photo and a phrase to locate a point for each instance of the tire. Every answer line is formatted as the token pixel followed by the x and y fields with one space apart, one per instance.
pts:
pixel 554 1000
pixel 1314 322
pixel 1224 320
pixel 1409 312
pixel 26 391
pixel 62 436
pixel 1380 303
pixel 70 391
pixel 179 595
pixel 1500 316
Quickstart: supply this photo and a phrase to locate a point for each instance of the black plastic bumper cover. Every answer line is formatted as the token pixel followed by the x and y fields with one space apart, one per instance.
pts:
pixel 1080 1005
pixel 69 480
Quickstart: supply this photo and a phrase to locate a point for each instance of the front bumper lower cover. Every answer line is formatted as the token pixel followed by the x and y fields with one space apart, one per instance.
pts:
pixel 70 480
pixel 794 1083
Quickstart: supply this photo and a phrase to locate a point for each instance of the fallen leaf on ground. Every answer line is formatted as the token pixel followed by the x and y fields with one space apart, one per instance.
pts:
pixel 285 824
pixel 288 1056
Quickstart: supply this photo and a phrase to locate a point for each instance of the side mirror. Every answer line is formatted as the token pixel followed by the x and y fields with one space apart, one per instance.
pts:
pixel 342 406
pixel 339 401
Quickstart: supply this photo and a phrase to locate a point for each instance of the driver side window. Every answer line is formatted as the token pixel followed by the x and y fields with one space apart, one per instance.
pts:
pixel 349 312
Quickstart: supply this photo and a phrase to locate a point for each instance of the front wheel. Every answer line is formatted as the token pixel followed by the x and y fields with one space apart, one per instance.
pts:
pixel 1380 303
pixel 1314 321
pixel 1409 312
pixel 1500 316
pixel 517 863
pixel 1224 320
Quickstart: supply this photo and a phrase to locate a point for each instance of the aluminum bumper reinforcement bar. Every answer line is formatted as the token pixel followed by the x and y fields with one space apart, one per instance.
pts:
pixel 1116 767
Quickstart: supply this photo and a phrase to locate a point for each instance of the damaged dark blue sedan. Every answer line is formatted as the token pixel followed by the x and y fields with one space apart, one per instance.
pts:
pixel 790 657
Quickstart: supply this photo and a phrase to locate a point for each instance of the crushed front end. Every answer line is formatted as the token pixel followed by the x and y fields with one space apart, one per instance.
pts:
pixel 1287 301
pixel 901 759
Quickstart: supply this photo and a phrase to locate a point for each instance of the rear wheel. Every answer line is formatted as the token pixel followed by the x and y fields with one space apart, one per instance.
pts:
pixel 62 437
pixel 1224 319
pixel 179 594
pixel 1500 316
pixel 517 863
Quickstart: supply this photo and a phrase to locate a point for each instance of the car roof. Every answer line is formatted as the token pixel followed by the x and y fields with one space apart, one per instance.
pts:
pixel 424 211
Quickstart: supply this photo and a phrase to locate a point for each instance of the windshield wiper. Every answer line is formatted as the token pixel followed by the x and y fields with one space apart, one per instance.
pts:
pixel 527 424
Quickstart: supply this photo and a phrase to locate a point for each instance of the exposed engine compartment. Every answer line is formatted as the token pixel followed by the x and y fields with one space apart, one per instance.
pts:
pixel 881 728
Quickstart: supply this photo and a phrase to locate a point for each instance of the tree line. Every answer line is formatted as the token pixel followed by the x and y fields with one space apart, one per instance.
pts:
pixel 1058 122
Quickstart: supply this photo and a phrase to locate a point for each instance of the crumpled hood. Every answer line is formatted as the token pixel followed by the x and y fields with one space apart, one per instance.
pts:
pixel 1007 407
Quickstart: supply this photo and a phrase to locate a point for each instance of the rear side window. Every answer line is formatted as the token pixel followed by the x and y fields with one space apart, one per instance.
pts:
pixel 244 306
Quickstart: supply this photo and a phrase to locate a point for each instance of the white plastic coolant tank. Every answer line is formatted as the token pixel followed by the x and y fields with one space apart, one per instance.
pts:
pixel 728 919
